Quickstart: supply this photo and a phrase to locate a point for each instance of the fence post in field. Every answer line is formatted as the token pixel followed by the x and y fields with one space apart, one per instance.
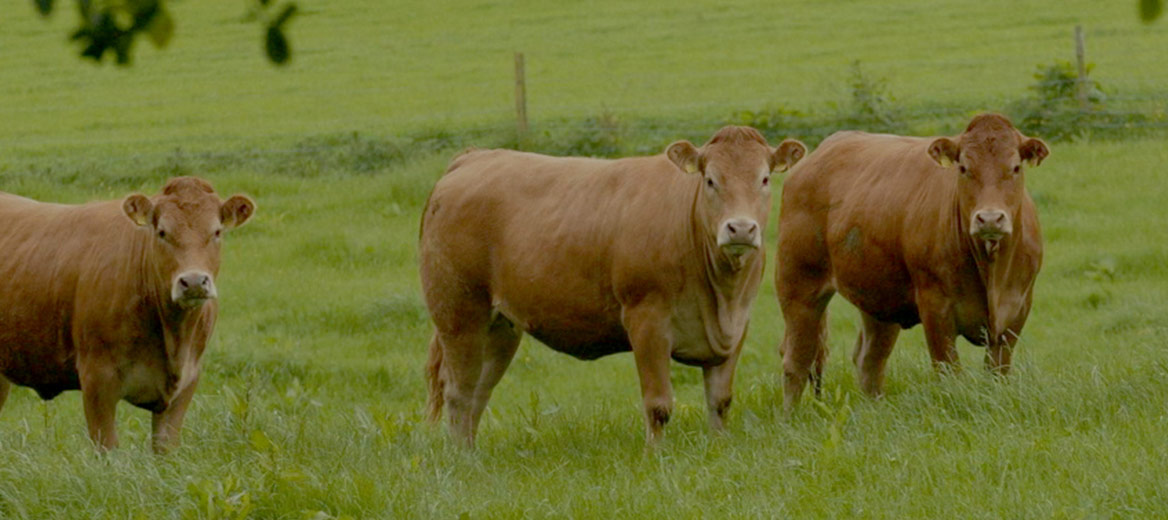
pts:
pixel 1081 61
pixel 520 100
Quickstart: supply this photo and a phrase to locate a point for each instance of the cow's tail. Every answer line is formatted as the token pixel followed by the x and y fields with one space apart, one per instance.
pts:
pixel 434 382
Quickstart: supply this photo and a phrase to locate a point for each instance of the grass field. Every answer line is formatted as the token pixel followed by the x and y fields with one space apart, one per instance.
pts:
pixel 311 399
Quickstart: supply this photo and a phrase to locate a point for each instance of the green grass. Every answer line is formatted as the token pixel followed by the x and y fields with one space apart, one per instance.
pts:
pixel 310 405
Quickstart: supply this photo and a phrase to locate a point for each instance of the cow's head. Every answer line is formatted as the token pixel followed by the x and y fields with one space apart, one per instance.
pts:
pixel 735 168
pixel 187 222
pixel 989 158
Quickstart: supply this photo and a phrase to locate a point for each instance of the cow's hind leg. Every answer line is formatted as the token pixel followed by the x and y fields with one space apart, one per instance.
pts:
pixel 462 332
pixel 804 346
pixel 5 386
pixel 502 342
pixel 462 366
pixel 435 386
pixel 873 346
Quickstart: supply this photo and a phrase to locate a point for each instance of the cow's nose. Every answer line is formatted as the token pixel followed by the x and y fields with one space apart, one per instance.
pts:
pixel 193 286
pixel 991 222
pixel 739 232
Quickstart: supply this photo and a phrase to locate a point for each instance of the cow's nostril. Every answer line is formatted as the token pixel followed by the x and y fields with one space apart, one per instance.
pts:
pixel 990 217
pixel 183 283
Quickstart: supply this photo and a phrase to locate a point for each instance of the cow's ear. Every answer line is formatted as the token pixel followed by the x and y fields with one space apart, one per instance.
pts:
pixel 685 155
pixel 236 210
pixel 1033 151
pixel 138 209
pixel 787 154
pixel 944 151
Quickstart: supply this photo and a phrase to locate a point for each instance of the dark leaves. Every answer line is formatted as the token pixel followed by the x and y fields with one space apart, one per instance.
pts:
pixel 44 6
pixel 1150 9
pixel 277 46
pixel 275 43
pixel 161 28
pixel 100 32
pixel 111 27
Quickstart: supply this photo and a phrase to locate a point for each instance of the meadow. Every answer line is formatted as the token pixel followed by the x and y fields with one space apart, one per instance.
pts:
pixel 311 400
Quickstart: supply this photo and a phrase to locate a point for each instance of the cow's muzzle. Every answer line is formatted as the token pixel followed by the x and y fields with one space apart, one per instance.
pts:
pixel 193 288
pixel 739 235
pixel 990 224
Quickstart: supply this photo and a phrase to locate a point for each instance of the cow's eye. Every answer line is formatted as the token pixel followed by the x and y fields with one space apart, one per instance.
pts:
pixel 766 181
pixel 161 234
pixel 218 233
pixel 709 182
pixel 1017 169
pixel 961 168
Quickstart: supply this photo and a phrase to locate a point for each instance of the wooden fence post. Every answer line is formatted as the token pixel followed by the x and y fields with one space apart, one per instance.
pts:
pixel 1080 57
pixel 520 100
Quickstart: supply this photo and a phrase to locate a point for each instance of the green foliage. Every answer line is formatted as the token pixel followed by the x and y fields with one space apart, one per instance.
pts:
pixel 777 122
pixel 1057 111
pixel 872 106
pixel 601 135
pixel 869 107
pixel 112 27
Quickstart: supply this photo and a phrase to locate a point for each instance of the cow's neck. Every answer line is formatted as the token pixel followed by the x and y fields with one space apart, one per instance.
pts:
pixel 994 268
pixel 181 329
pixel 731 284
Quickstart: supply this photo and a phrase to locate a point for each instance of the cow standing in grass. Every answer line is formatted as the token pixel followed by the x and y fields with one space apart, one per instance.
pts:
pixel 660 255
pixel 939 231
pixel 116 299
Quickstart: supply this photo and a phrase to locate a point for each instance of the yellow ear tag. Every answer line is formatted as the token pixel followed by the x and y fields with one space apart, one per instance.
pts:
pixel 944 161
pixel 691 167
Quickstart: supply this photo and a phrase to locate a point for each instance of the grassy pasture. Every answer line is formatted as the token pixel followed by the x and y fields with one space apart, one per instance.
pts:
pixel 312 391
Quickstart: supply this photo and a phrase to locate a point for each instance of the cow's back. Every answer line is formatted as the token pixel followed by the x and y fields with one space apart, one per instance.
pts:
pixel 549 240
pixel 878 177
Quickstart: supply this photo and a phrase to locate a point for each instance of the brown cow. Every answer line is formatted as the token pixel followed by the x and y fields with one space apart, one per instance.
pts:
pixel 659 255
pixel 910 230
pixel 116 299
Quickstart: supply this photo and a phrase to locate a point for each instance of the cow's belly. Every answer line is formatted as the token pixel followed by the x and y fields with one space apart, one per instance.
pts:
pixel 582 344
pixel 574 328
pixel 882 290
pixel 35 353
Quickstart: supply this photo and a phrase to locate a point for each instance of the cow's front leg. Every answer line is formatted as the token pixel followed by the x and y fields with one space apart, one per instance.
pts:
pixel 1000 350
pixel 101 389
pixel 936 312
pixel 167 424
pixel 649 336
pixel 719 381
